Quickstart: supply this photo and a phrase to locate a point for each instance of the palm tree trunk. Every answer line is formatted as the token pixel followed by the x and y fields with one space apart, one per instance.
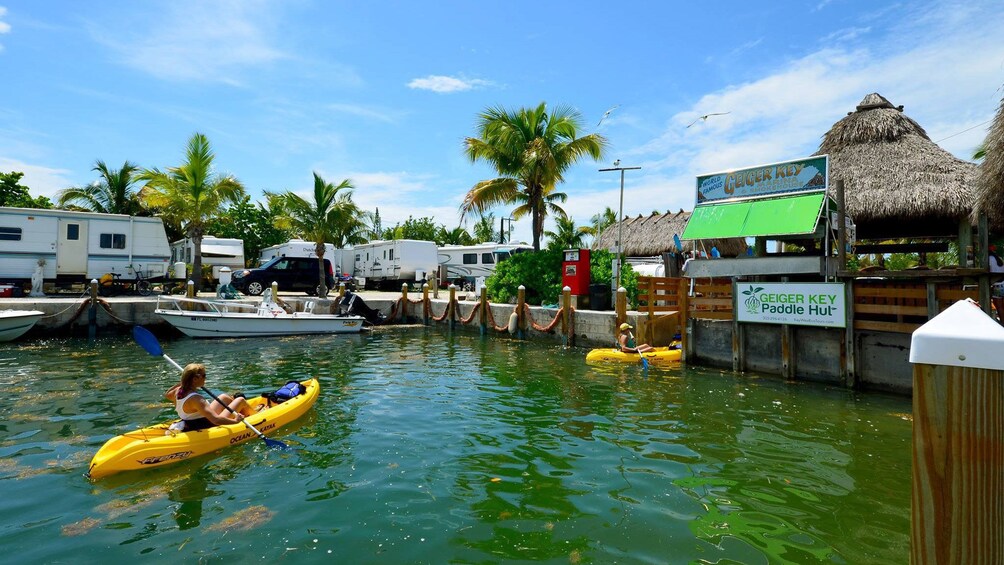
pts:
pixel 535 223
pixel 196 236
pixel 322 288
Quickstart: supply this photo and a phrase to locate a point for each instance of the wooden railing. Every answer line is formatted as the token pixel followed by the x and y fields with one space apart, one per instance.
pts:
pixel 902 307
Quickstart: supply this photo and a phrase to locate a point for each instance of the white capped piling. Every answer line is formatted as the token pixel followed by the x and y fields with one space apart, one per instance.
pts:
pixel 958 438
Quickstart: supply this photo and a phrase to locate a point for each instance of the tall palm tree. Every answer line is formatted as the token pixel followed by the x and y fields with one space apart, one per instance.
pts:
pixel 530 150
pixel 319 220
pixel 566 235
pixel 484 229
pixel 191 194
pixel 601 221
pixel 456 236
pixel 113 193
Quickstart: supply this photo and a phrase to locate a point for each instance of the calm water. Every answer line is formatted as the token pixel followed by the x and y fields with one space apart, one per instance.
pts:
pixel 431 448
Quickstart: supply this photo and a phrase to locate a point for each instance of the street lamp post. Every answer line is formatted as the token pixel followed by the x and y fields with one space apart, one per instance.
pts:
pixel 620 218
pixel 502 232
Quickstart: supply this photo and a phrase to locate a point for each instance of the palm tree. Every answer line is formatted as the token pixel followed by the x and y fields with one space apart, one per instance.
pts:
pixel 484 229
pixel 191 194
pixel 456 236
pixel 530 150
pixel 319 221
pixel 566 235
pixel 113 193
pixel 601 221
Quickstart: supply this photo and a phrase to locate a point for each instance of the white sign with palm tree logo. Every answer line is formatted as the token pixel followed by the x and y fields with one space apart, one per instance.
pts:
pixel 801 304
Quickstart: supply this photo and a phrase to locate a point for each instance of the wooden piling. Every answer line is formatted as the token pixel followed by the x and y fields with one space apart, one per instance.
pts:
pixel 683 301
pixel 425 304
pixel 520 311
pixel 404 303
pixel 621 308
pixel 92 312
pixel 566 316
pixel 450 306
pixel 190 289
pixel 483 313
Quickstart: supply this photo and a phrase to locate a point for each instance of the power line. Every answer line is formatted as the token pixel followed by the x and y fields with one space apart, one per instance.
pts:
pixel 964 131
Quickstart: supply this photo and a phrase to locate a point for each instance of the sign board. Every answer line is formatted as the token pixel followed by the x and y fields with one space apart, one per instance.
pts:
pixel 798 304
pixel 800 175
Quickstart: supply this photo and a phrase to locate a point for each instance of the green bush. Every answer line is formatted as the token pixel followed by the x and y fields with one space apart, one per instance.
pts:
pixel 540 273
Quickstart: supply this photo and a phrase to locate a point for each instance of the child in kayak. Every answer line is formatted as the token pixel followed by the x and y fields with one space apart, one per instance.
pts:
pixel 195 411
pixel 625 342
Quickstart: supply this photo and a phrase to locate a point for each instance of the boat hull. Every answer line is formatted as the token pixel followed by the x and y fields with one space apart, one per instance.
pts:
pixel 660 355
pixel 157 446
pixel 232 324
pixel 15 323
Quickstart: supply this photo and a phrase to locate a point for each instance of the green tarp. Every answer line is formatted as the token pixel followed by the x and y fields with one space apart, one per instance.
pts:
pixel 789 215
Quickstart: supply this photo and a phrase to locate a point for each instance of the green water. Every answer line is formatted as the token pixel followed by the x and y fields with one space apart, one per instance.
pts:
pixel 431 448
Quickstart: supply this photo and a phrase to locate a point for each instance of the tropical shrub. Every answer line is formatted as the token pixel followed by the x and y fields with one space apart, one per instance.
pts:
pixel 540 273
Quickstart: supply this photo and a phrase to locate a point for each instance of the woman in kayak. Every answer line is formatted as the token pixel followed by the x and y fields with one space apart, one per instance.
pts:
pixel 626 343
pixel 195 411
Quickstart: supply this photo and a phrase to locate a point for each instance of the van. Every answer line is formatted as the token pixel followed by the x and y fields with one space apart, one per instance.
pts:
pixel 291 274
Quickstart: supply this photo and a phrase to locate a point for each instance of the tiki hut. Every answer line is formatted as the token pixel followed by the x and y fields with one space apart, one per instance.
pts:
pixel 990 181
pixel 897 182
pixel 649 236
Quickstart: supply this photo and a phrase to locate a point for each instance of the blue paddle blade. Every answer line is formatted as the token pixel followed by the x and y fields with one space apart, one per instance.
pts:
pixel 679 246
pixel 644 363
pixel 147 341
pixel 275 444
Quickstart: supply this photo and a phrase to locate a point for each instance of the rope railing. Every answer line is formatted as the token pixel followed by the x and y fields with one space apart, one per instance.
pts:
pixel 549 327
pixel 491 322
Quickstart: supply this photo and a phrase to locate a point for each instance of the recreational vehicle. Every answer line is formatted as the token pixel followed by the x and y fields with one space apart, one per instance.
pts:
pixel 80 246
pixel 342 259
pixel 216 251
pixel 463 264
pixel 389 263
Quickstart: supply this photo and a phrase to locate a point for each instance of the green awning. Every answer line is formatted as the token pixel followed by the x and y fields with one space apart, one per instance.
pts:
pixel 789 215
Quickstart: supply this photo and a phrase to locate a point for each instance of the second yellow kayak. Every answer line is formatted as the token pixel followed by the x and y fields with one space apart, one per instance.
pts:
pixel 660 355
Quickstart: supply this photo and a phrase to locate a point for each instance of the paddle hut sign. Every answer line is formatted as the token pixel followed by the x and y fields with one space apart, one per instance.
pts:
pixel 799 304
pixel 800 175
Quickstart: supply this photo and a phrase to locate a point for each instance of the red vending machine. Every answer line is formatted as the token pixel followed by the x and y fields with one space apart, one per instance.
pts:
pixel 575 271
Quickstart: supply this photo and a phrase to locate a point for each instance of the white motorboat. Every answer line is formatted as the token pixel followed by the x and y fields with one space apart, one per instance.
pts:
pixel 215 318
pixel 14 323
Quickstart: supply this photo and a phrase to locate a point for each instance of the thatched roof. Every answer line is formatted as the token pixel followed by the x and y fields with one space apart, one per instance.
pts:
pixel 647 236
pixel 897 182
pixel 990 180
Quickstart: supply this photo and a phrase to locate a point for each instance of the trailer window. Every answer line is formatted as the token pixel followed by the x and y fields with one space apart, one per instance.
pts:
pixel 487 259
pixel 109 240
pixel 73 231
pixel 391 254
pixel 470 258
pixel 10 234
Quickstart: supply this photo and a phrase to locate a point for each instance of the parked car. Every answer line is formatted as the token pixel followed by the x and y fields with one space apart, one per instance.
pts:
pixel 291 273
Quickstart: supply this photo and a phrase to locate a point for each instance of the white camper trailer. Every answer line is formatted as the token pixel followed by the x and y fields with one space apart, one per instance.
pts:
pixel 463 264
pixel 393 262
pixel 80 246
pixel 341 259
pixel 216 251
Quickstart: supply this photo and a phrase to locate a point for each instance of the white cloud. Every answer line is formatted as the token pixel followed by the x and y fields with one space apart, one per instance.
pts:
pixel 444 84
pixel 41 181
pixel 365 112
pixel 194 40
pixel 4 26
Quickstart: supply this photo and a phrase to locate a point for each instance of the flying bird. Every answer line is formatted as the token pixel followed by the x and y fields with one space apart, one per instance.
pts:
pixel 706 116
pixel 607 113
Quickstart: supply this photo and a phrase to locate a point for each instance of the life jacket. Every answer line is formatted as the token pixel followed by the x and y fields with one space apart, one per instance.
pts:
pixel 290 390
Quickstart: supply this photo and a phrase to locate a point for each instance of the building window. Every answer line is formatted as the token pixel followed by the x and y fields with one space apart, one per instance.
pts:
pixel 73 232
pixel 487 259
pixel 470 258
pixel 110 240
pixel 10 234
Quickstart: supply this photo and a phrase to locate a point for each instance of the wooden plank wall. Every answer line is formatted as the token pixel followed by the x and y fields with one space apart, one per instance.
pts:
pixel 902 307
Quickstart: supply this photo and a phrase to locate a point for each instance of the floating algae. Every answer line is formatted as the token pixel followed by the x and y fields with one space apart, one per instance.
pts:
pixel 80 528
pixel 246 519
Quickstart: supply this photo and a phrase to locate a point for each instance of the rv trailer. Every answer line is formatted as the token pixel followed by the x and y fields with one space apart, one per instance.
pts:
pixel 463 264
pixel 393 262
pixel 216 251
pixel 341 259
pixel 80 246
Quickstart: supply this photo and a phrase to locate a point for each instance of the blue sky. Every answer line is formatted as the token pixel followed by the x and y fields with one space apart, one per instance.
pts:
pixel 383 93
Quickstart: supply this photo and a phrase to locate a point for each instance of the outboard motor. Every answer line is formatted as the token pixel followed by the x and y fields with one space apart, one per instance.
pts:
pixel 353 304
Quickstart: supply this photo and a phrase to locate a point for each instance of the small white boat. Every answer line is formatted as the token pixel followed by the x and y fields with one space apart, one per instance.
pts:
pixel 14 323
pixel 212 318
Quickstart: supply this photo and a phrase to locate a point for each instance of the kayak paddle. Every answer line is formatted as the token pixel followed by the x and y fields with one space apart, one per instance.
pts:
pixel 149 342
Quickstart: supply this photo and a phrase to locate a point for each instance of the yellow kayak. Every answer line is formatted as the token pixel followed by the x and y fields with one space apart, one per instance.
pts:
pixel 657 356
pixel 157 445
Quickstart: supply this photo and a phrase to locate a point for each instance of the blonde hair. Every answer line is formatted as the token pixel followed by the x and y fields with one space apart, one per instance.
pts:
pixel 188 376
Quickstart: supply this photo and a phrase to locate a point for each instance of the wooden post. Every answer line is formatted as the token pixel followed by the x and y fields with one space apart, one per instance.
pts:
pixel 566 313
pixel 520 308
pixel 838 186
pixel 425 304
pixel 850 343
pixel 650 322
pixel 958 439
pixel 275 290
pixel 190 289
pixel 621 308
pixel 341 290
pixel 683 301
pixel 404 303
pixel 92 312
pixel 450 306
pixel 738 339
pixel 483 313
pixel 787 338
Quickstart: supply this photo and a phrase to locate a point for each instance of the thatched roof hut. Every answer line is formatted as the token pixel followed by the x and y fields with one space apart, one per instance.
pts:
pixel 990 180
pixel 897 182
pixel 648 236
